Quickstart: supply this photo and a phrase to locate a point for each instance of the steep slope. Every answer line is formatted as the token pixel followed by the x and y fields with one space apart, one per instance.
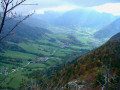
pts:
pixel 108 30
pixel 98 69
pixel 115 38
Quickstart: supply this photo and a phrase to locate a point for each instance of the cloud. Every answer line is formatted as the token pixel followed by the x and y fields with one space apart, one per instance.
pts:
pixel 90 3
pixel 56 9
pixel 46 4
pixel 113 8
pixel 82 3
pixel 41 4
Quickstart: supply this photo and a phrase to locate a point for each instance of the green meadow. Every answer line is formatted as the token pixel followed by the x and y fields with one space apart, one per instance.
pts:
pixel 57 48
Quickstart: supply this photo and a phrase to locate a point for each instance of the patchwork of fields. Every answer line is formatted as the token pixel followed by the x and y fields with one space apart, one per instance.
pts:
pixel 23 58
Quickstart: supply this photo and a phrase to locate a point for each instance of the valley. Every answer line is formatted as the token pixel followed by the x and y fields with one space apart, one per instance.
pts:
pixel 54 48
pixel 59 50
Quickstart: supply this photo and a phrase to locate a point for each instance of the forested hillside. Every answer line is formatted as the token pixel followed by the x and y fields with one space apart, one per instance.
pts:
pixel 97 69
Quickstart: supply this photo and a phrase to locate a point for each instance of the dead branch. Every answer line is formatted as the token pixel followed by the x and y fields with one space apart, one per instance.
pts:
pixel 7 7
pixel 15 26
pixel 17 4
pixel 4 15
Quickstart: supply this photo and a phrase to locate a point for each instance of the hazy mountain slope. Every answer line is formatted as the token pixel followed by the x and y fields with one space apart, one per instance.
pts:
pixel 84 18
pixel 77 17
pixel 108 30
pixel 48 16
pixel 91 70
pixel 36 22
pixel 23 31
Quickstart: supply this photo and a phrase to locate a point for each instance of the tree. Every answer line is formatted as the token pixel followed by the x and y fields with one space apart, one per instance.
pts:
pixel 7 10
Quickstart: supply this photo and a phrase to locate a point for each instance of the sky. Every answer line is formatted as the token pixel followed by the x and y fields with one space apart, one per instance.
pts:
pixel 109 6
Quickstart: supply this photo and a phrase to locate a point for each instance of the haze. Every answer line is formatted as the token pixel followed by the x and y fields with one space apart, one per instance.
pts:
pixel 108 6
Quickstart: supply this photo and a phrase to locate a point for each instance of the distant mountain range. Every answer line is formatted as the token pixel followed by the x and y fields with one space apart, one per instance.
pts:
pixel 85 18
pixel 48 16
pixel 109 30
pixel 77 17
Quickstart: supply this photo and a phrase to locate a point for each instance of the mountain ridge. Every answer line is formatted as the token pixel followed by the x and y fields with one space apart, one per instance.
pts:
pixel 109 30
pixel 85 18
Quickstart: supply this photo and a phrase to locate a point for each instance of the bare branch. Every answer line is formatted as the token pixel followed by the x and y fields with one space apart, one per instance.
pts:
pixel 15 26
pixel 11 1
pixel 13 17
pixel 5 1
pixel 8 12
pixel 15 5
pixel 4 15
pixel 3 4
